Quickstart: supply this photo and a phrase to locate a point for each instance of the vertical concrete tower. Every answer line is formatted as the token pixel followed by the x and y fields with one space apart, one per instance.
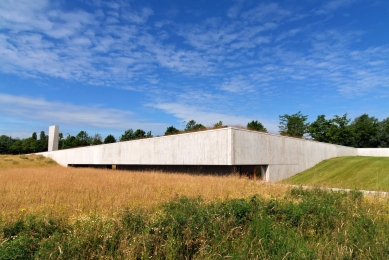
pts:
pixel 53 138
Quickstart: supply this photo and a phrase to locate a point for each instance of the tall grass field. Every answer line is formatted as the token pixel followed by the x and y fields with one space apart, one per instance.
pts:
pixel 51 212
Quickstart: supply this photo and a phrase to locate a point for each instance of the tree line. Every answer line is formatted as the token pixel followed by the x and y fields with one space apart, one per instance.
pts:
pixel 362 132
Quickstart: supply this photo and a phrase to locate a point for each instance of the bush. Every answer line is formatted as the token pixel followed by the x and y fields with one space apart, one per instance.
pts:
pixel 256 126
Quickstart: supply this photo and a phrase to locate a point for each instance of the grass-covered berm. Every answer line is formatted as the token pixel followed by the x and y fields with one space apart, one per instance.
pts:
pixel 351 172
pixel 199 221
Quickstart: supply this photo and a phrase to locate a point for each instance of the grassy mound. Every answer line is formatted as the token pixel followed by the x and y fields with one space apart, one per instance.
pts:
pixel 24 161
pixel 305 224
pixel 357 172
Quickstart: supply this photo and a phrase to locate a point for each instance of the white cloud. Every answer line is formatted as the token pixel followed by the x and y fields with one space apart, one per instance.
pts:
pixel 287 34
pixel 334 5
pixel 188 112
pixel 38 39
pixel 72 115
pixel 266 13
pixel 234 11
pixel 237 85
pixel 138 17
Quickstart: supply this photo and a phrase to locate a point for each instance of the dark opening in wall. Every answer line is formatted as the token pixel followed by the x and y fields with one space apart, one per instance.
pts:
pixel 193 169
pixel 253 171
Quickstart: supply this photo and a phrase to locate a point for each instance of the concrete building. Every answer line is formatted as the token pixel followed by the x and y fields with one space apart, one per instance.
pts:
pixel 222 151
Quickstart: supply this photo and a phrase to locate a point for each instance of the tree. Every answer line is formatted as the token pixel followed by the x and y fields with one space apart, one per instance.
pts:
pixel 5 144
pixel 70 142
pixel 60 141
pixel 97 139
pixel 171 130
pixel 190 125
pixel 218 124
pixel 139 134
pixel 148 134
pixel 16 147
pixel 43 142
pixel 340 132
pixel 320 129
pixel 110 139
pixel 365 131
pixel 256 126
pixel 128 135
pixel 34 136
pixel 383 133
pixel 29 145
pixel 293 125
pixel 193 126
pixel 83 139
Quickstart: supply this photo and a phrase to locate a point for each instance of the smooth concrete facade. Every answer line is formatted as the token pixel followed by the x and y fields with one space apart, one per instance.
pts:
pixel 380 152
pixel 53 138
pixel 277 157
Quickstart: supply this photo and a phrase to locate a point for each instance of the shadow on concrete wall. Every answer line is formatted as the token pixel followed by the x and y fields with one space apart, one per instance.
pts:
pixel 251 171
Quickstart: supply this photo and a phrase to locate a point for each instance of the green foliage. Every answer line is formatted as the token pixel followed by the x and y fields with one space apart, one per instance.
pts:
pixel 128 135
pixel 5 144
pixel 109 139
pixel 96 139
pixel 293 125
pixel 320 129
pixel 139 134
pixel 365 131
pixel 29 145
pixel 16 147
pixel 313 224
pixel 256 126
pixel 43 141
pixel 23 237
pixel 340 131
pixel 171 130
pixel 218 124
pixel 335 131
pixel 83 139
pixel 69 142
pixel 193 126
pixel 383 133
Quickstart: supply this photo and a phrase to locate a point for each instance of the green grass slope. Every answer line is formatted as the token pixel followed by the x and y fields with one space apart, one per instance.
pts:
pixel 356 172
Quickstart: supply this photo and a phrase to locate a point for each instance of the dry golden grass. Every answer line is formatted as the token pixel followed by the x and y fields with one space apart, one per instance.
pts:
pixel 77 191
pixel 24 161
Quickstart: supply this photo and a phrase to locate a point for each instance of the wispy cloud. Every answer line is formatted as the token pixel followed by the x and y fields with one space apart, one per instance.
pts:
pixel 334 5
pixel 237 85
pixel 134 48
pixel 186 112
pixel 266 12
pixel 72 115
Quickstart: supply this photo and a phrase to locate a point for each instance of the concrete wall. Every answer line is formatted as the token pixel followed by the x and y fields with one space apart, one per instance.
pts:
pixel 200 148
pixel 285 156
pixel 381 152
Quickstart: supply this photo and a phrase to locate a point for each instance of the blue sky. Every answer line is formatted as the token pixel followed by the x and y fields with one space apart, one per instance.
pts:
pixel 106 66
